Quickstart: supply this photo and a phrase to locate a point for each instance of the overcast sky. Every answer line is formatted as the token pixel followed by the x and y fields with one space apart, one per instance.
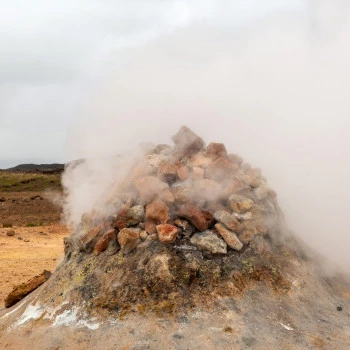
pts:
pixel 269 78
pixel 53 53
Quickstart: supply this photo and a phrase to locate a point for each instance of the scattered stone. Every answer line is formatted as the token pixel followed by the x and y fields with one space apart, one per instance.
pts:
pixel 129 217
pixel 339 308
pixel 36 197
pixel 199 218
pixel 26 240
pixel 167 233
pixel 24 289
pixel 11 233
pixel 210 242
pixel 229 237
pixel 158 212
pixel 185 226
pixel 239 203
pixel 156 159
pixel 187 142
pixel 102 244
pixel 42 233
pixel 228 220
pixel 129 239
pixel 20 238
pixel 216 150
pixel 183 194
pixel 2 199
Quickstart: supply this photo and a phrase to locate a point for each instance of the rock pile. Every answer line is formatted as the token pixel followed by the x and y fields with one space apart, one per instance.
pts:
pixel 191 197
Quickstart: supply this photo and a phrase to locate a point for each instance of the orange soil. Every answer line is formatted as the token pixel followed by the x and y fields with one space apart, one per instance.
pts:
pixel 21 260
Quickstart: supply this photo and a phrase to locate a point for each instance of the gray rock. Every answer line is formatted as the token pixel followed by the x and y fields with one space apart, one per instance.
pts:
pixel 228 220
pixel 229 237
pixel 209 241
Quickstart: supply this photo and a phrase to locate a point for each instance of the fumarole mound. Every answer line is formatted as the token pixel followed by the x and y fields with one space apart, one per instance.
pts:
pixel 192 253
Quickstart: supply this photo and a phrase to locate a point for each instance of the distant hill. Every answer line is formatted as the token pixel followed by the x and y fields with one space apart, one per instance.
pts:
pixel 55 168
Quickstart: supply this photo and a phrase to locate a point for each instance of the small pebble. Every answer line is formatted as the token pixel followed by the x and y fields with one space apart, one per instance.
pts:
pixel 20 238
pixel 339 308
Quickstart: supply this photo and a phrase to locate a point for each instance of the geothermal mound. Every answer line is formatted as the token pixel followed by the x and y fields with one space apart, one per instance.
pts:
pixel 192 253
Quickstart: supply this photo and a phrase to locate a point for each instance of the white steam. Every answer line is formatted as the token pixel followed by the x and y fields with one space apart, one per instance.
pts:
pixel 275 92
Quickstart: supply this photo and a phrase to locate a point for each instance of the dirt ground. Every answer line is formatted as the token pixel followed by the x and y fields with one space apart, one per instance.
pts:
pixel 37 221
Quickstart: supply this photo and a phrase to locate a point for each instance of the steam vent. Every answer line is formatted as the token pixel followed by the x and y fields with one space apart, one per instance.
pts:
pixel 194 254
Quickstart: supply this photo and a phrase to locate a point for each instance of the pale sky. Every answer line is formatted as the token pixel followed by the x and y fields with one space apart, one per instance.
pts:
pixel 53 52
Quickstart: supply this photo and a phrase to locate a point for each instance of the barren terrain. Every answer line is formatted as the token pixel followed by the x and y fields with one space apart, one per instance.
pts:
pixel 26 209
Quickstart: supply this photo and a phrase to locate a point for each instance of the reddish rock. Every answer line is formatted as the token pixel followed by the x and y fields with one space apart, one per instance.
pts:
pixel 129 217
pixel 167 233
pixel 187 142
pixel 230 237
pixel 183 173
pixel 150 227
pixel 167 172
pixel 103 243
pixel 19 292
pixel 129 239
pixel 221 169
pixel 216 150
pixel 88 240
pixel 157 212
pixel 199 218
pixel 228 220
pixel 149 187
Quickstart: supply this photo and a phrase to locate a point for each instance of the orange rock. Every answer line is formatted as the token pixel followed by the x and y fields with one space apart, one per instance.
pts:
pixel 167 172
pixel 200 160
pixel 199 218
pixel 183 173
pixel 103 243
pixel 157 212
pixel 197 173
pixel 150 227
pixel 129 239
pixel 167 196
pixel 149 187
pixel 220 170
pixel 167 233
pixel 88 240
pixel 24 289
pixel 207 189
pixel 216 150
